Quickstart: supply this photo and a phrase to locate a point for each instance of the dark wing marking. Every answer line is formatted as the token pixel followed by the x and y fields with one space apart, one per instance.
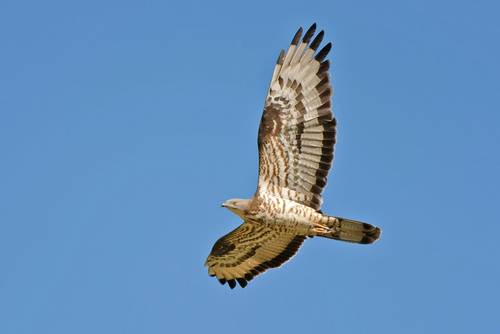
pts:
pixel 297 129
pixel 249 250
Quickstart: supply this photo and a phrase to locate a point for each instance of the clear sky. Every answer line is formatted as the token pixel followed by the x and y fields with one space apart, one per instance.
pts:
pixel 124 126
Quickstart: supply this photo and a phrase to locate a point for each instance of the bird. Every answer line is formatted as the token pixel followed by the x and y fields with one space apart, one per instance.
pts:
pixel 296 139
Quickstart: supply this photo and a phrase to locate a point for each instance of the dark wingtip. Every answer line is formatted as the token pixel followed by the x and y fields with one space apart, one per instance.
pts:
pixel 231 283
pixel 309 33
pixel 242 282
pixel 296 38
pixel 324 52
pixel 222 281
pixel 317 40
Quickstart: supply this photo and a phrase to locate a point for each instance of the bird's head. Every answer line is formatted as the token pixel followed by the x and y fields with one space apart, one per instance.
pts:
pixel 236 205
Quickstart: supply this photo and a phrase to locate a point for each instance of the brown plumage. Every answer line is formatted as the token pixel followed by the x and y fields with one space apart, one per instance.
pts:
pixel 295 140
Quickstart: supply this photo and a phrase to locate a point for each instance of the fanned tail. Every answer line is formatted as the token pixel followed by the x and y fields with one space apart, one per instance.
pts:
pixel 351 231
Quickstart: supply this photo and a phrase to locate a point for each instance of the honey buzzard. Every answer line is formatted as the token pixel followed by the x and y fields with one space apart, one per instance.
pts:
pixel 295 140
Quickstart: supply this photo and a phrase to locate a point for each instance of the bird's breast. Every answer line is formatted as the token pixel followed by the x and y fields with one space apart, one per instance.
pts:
pixel 276 210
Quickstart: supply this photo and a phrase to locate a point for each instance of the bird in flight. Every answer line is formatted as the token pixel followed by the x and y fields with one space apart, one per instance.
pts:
pixel 295 140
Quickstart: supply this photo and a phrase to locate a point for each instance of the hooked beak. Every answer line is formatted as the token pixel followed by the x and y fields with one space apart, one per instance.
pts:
pixel 223 205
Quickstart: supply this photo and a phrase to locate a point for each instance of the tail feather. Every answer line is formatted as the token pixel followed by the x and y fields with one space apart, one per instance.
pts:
pixel 352 231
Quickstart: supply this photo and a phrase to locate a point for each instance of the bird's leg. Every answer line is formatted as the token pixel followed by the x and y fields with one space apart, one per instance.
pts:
pixel 320 229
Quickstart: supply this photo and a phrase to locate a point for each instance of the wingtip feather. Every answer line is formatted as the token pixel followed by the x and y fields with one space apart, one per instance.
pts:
pixel 296 37
pixel 309 33
pixel 324 52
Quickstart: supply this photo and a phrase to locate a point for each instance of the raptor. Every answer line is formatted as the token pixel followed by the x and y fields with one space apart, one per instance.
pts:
pixel 295 140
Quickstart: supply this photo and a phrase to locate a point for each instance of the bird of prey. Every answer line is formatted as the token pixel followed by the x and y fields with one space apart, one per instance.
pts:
pixel 295 140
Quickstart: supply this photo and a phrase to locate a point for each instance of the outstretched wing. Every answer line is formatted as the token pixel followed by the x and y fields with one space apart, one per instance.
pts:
pixel 297 130
pixel 249 250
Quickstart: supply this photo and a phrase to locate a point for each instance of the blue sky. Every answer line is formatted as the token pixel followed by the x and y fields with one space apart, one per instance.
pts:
pixel 124 125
